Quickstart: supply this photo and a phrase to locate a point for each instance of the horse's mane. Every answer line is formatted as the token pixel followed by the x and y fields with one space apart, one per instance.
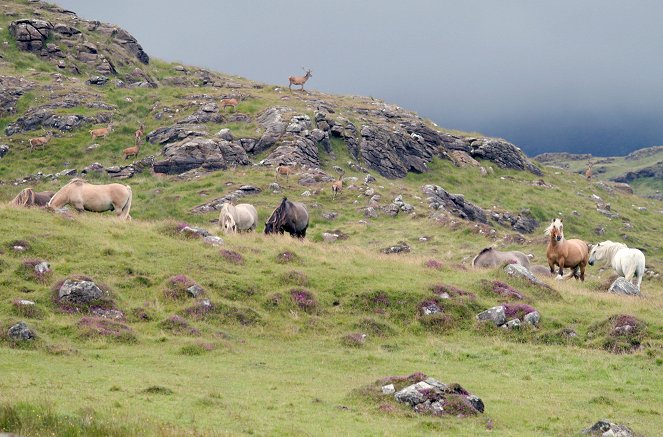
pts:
pixel 549 229
pixel 611 249
pixel 77 181
pixel 25 198
pixel 278 216
pixel 484 250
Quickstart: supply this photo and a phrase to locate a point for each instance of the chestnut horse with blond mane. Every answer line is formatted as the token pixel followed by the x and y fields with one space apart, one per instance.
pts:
pixel 572 253
pixel 96 198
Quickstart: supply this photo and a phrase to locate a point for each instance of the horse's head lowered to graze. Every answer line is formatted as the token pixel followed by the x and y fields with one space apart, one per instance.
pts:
pixel 555 230
pixel 290 217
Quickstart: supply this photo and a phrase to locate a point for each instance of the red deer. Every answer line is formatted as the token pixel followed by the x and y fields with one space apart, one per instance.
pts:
pixel 40 141
pixel 337 185
pixel 233 102
pixel 299 80
pixel 588 172
pixel 131 151
pixel 139 133
pixel 285 170
pixel 102 131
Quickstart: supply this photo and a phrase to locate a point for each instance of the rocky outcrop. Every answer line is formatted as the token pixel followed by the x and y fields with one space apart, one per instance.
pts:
pixel 271 120
pixel 44 118
pixel 203 153
pixel 171 134
pixel 441 200
pixel 524 222
pixel 606 428
pixel 296 150
pixel 11 89
pixel 502 153
pixel 216 204
pixel 30 35
pixel 653 171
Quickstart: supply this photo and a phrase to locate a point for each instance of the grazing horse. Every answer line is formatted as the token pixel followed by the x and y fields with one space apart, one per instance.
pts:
pixel 572 253
pixel 28 197
pixel 290 217
pixel 490 257
pixel 625 261
pixel 97 198
pixel 237 218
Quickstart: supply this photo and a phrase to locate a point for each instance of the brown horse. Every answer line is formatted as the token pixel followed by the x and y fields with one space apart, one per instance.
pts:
pixel 28 197
pixel 572 253
pixel 96 198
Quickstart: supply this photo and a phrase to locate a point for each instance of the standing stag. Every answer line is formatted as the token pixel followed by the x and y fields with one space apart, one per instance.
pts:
pixel 40 141
pixel 588 172
pixel 139 134
pixel 299 80
pixel 337 185
pixel 102 131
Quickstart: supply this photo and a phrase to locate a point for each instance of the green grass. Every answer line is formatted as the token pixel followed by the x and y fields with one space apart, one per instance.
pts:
pixel 257 362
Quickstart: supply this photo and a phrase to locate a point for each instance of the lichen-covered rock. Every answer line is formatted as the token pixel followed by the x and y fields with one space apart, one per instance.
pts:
pixel 79 291
pixel 502 153
pixel 605 428
pixel 518 271
pixel 172 134
pixel 20 332
pixel 30 35
pixel 622 286
pixel 494 314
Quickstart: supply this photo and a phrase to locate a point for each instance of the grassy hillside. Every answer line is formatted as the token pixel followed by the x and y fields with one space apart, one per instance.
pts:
pixel 278 348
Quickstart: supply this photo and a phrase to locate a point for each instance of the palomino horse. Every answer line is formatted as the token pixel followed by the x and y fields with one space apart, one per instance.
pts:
pixel 627 262
pixel 28 197
pixel 490 257
pixel 572 253
pixel 97 198
pixel 234 218
pixel 290 217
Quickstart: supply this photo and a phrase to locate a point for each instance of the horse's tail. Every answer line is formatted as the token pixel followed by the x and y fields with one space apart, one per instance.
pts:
pixel 127 206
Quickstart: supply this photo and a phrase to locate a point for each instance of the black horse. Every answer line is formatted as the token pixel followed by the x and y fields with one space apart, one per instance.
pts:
pixel 290 217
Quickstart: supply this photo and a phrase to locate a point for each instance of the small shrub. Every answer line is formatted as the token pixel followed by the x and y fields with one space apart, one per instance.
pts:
pixel 157 390
pixel 200 310
pixel 452 292
pixel 196 349
pixel 232 257
pixel 99 327
pixel 28 271
pixel 304 299
pixel 355 339
pixel 142 314
pixel 30 311
pixel 274 300
pixel 429 306
pixel 517 310
pixel 18 246
pixel 294 277
pixel 374 327
pixel 434 264
pixel 177 287
pixel 622 333
pixel 503 289
pixel 287 257
pixel 458 405
pixel 178 326
pixel 438 322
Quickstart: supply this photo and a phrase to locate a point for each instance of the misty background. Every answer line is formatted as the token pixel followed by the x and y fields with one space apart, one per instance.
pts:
pixel 578 76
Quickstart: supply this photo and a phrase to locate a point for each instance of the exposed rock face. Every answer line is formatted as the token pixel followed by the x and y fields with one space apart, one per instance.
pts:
pixel 171 134
pixel 502 153
pixel 44 118
pixel 272 121
pixel 30 35
pixel 653 171
pixel 216 204
pixel 523 222
pixel 393 154
pixel 11 89
pixel 299 150
pixel 605 428
pixel 198 153
pixel 439 199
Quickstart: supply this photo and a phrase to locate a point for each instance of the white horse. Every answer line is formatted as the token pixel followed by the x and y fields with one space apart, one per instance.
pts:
pixel 626 262
pixel 234 218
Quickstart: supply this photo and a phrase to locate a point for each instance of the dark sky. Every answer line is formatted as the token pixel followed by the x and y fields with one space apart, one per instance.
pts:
pixel 572 75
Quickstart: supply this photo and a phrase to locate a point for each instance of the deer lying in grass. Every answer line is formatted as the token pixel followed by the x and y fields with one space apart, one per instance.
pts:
pixel 233 102
pixel 139 133
pixel 102 131
pixel 285 170
pixel 131 151
pixel 40 141
pixel 299 80
pixel 337 186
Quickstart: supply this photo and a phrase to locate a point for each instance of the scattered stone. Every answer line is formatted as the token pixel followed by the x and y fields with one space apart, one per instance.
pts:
pixel 274 187
pixel 20 332
pixel 213 240
pixel 193 231
pixel 622 286
pixel 4 149
pixel 494 314
pixel 518 271
pixel 79 292
pixel 195 290
pixel 440 199
pixel 532 318
pixel 97 80
pixel 512 324
pixel 401 247
pixel 605 428
pixel 329 238
pixel 388 389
